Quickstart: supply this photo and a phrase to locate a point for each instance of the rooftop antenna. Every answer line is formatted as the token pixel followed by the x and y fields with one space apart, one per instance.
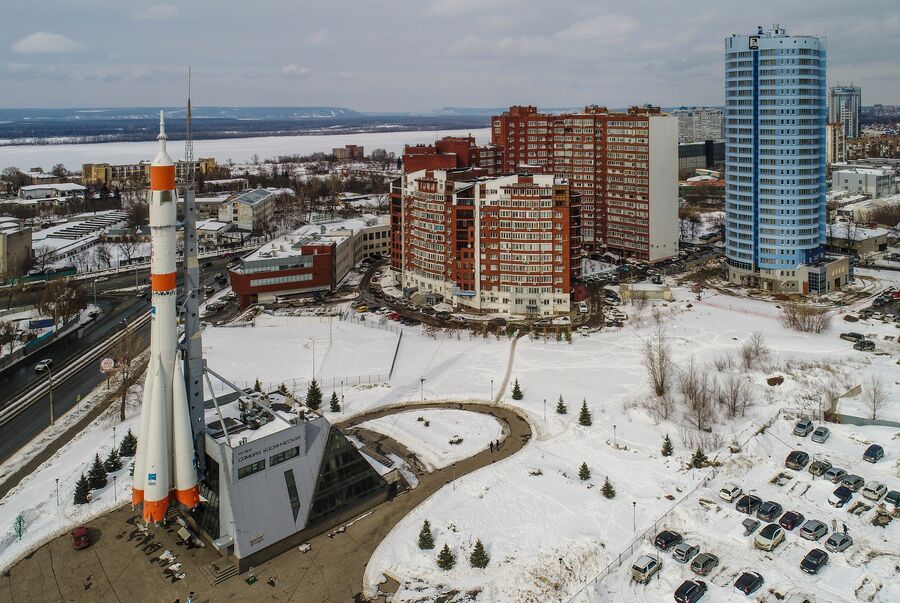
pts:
pixel 192 343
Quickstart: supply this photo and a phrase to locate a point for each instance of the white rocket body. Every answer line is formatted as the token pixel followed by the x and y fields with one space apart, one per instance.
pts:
pixel 164 466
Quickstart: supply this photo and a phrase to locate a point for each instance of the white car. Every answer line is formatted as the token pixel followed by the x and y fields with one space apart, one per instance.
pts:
pixel 730 492
pixel 874 490
pixel 562 320
pixel 583 308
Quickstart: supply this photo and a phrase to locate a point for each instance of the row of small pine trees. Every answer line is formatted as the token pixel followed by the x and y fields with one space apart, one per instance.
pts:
pixel 97 475
pixel 584 474
pixel 584 416
pixel 313 396
pixel 446 559
pixel 698 460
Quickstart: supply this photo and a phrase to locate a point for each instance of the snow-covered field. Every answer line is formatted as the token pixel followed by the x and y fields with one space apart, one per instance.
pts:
pixel 429 433
pixel 286 349
pixel 237 149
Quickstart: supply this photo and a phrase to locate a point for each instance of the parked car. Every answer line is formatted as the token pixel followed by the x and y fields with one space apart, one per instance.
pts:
pixel 645 567
pixel 791 520
pixel 81 538
pixel 690 591
pixel 819 467
pixel 43 366
pixel 667 539
pixel 854 337
pixel 704 563
pixel 583 308
pixel 729 492
pixel 866 345
pixel 820 435
pixel 873 453
pixel 814 561
pixel 840 497
pixel 892 498
pixel 838 542
pixel 750 525
pixel 749 582
pixel 834 475
pixel 769 511
pixel 813 529
pixel 854 482
pixel 748 504
pixel 769 537
pixel 874 490
pixel 796 460
pixel 684 552
pixel 803 427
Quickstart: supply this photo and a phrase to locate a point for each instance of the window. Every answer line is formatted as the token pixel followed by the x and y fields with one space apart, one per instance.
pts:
pixel 251 469
pixel 286 455
pixel 293 495
pixel 279 280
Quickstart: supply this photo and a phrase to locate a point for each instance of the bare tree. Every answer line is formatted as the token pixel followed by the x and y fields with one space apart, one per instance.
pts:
pixel 62 300
pixel 660 407
pixel 9 334
pixel 126 351
pixel 734 395
pixel 805 318
pixel 875 396
pixel 127 247
pixel 753 350
pixel 102 256
pixel 43 256
pixel 658 361
pixel 698 392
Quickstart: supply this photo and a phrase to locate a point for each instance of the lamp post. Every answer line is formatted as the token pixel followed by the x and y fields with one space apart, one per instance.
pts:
pixel 492 390
pixel 615 441
pixel 57 493
pixel 633 516
pixel 114 489
pixel 422 389
pixel 545 409
pixel 114 437
pixel 50 381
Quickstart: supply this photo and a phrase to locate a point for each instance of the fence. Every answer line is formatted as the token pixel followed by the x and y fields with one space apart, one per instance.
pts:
pixel 648 534
pixel 327 383
pixel 372 323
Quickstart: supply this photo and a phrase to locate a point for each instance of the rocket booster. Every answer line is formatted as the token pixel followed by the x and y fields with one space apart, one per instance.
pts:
pixel 164 468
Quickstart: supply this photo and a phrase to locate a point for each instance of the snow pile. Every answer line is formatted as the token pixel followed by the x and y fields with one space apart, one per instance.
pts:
pixel 428 434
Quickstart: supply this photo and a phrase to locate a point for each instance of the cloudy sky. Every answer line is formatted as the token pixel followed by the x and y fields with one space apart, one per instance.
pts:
pixel 406 55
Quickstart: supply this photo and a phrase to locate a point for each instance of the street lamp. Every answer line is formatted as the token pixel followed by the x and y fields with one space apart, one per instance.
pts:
pixel 545 409
pixel 422 386
pixel 633 516
pixel 615 441
pixel 50 380
pixel 114 437
pixel 492 390
pixel 114 488
pixel 57 493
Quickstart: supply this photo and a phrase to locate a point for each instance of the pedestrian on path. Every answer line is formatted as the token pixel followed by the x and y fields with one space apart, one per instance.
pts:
pixel 492 445
pixel 190 598
pixel 845 528
pixel 834 525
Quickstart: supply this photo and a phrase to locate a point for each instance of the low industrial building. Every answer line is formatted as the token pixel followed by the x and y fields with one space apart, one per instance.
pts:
pixel 874 182
pixel 850 239
pixel 43 191
pixel 861 211
pixel 252 208
pixel 314 258
pixel 117 175
pixel 69 237
pixel 648 291
pixel 211 232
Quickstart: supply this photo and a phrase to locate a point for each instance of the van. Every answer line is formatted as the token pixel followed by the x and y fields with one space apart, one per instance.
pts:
pixel 644 568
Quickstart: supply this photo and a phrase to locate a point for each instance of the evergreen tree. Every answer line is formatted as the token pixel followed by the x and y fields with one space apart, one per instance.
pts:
pixel 479 558
pixel 584 473
pixel 128 445
pixel 517 391
pixel 314 395
pixel 257 387
pixel 335 404
pixel 113 462
pixel 426 540
pixel 699 459
pixel 97 474
pixel 667 446
pixel 608 490
pixel 82 490
pixel 446 560
pixel 283 390
pixel 561 407
pixel 585 417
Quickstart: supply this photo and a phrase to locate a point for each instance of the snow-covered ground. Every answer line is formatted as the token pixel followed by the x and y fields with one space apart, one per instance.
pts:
pixel 237 149
pixel 286 349
pixel 439 437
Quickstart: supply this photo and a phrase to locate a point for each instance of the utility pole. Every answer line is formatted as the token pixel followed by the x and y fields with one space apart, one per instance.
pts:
pixel 422 386
pixel 545 409
pixel 50 379
pixel 492 390
pixel 94 282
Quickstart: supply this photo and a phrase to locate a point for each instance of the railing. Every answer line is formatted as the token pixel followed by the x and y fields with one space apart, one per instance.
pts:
pixel 326 383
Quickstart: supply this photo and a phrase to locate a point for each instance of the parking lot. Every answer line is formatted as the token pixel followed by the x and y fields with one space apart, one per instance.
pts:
pixel 866 571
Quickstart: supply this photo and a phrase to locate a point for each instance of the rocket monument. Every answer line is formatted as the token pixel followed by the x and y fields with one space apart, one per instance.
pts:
pixel 164 466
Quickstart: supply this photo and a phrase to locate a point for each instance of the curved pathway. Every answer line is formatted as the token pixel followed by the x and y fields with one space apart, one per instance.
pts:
pixel 115 569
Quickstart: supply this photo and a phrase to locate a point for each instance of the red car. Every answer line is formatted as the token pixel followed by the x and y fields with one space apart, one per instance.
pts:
pixel 393 316
pixel 81 539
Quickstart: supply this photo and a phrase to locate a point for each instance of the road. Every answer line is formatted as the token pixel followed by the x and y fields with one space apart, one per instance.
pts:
pixel 116 307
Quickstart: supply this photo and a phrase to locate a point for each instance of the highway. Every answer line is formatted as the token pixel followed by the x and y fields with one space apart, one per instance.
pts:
pixel 116 307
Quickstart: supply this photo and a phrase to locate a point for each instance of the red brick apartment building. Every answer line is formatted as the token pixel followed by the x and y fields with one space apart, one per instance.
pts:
pixel 624 166
pixel 497 244
pixel 452 152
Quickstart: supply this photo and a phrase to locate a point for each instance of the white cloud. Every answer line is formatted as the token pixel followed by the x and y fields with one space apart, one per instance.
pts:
pixel 602 28
pixel 16 67
pixel 157 12
pixel 295 70
pixel 444 8
pixel 318 38
pixel 502 47
pixel 46 42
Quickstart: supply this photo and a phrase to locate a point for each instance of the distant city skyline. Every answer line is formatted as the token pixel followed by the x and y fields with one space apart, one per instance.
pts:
pixel 415 56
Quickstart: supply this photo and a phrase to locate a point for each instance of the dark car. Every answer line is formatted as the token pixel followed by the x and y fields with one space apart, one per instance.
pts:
pixel 796 460
pixel 814 561
pixel 81 538
pixel 769 511
pixel 854 337
pixel 866 345
pixel 667 539
pixel 690 591
pixel 207 264
pixel 892 498
pixel 791 520
pixel 749 582
pixel 748 504
pixel 873 453
pixel 840 497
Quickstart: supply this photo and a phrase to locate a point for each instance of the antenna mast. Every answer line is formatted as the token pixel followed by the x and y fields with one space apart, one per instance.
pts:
pixel 189 140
